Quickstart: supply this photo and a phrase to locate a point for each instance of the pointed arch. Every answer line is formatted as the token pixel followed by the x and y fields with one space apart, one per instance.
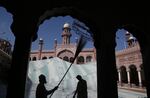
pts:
pixel 123 74
pixel 133 75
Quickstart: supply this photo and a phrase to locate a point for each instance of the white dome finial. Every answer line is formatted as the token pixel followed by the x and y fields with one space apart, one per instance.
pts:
pixel 131 38
pixel 66 25
pixel 127 32
pixel 41 39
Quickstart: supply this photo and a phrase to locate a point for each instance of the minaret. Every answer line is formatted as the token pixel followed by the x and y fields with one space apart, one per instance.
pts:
pixel 130 39
pixel 55 45
pixel 66 34
pixel 127 35
pixel 40 48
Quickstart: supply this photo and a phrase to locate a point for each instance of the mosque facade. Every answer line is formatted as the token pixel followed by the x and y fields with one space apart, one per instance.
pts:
pixel 66 50
pixel 129 64
pixel 128 60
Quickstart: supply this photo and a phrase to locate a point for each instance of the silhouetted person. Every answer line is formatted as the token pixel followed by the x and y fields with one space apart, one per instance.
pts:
pixel 41 91
pixel 81 89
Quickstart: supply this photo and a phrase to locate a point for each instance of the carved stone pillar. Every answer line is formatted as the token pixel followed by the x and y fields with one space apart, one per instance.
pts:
pixel 119 76
pixel 24 34
pixel 139 76
pixel 20 58
pixel 106 65
pixel 128 76
pixel 40 48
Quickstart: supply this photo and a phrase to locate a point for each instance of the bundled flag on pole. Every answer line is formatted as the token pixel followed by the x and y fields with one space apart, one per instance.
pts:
pixel 81 43
pixel 82 30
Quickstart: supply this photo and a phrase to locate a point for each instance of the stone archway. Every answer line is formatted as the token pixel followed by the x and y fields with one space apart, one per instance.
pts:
pixel 71 59
pixel 133 75
pixel 34 59
pixel 43 58
pixel 88 58
pixel 50 57
pixel 65 58
pixel 123 74
pixel 106 80
pixel 65 53
pixel 80 60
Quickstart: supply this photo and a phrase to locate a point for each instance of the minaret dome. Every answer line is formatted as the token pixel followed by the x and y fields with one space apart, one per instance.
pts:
pixel 66 25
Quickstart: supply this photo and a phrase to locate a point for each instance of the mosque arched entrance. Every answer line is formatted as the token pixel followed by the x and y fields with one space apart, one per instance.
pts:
pixel 65 55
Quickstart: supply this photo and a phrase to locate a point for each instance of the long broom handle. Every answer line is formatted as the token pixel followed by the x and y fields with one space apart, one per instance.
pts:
pixel 63 77
pixel 80 46
pixel 65 74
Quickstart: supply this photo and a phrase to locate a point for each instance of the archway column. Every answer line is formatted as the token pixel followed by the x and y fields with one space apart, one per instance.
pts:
pixel 18 72
pixel 139 76
pixel 106 65
pixel 24 35
pixel 119 76
pixel 128 76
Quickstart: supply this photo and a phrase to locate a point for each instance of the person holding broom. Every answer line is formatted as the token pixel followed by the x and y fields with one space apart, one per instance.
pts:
pixel 41 91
